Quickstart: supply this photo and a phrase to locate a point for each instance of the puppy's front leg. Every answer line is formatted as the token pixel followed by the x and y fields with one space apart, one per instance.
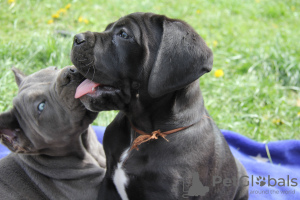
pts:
pixel 108 190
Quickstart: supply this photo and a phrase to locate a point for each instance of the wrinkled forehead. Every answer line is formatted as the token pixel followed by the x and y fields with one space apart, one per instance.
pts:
pixel 134 21
pixel 40 79
pixel 141 24
pixel 34 89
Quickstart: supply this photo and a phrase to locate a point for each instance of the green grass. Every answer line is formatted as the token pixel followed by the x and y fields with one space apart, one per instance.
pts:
pixel 255 43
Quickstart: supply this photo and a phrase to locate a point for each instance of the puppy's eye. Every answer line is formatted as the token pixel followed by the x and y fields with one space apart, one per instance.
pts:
pixel 41 107
pixel 124 35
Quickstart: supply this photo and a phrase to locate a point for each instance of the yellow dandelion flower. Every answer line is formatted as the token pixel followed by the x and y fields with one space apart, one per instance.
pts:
pixel 68 6
pixel 215 43
pixel 275 25
pixel 86 21
pixel 219 73
pixel 62 10
pixel 298 114
pixel 157 8
pixel 51 21
pixel 80 19
pixel 11 1
pixel 55 16
pixel 277 121
pixel 198 11
pixel 293 8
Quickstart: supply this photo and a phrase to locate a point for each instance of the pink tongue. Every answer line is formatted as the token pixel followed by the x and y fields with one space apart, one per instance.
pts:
pixel 85 87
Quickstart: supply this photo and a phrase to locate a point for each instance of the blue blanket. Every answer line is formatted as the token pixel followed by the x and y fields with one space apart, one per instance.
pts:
pixel 273 168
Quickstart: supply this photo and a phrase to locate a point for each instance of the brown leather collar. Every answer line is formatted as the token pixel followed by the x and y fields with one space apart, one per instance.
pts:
pixel 144 137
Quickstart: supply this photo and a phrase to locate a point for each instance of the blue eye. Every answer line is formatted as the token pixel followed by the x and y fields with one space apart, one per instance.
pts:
pixel 124 35
pixel 41 106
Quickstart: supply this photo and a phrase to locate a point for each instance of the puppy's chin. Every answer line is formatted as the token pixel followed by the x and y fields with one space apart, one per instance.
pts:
pixel 105 100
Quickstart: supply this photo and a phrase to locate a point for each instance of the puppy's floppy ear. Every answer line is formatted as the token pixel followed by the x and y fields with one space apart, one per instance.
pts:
pixel 19 76
pixel 10 132
pixel 182 58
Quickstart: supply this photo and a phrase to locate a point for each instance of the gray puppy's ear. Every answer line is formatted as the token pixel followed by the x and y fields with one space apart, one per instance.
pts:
pixel 19 76
pixel 183 57
pixel 10 131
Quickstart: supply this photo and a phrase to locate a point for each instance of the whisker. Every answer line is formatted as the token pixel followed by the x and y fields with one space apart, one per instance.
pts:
pixel 81 60
pixel 89 63
pixel 207 117
pixel 94 72
pixel 86 74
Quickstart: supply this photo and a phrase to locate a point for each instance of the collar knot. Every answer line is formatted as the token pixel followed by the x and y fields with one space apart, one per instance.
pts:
pixel 145 137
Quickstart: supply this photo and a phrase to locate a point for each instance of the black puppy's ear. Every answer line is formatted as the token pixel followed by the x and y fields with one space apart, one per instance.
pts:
pixel 183 57
pixel 19 76
pixel 10 131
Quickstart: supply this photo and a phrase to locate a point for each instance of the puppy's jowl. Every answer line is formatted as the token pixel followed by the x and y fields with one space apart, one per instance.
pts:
pixel 148 66
pixel 56 154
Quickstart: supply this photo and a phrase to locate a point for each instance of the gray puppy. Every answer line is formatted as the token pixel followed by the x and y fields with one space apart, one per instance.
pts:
pixel 148 66
pixel 56 154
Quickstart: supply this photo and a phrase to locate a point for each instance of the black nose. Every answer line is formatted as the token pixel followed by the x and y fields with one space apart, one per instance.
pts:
pixel 71 73
pixel 72 70
pixel 79 38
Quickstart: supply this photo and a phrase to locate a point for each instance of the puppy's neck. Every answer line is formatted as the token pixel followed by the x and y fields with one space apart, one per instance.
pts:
pixel 84 147
pixel 169 111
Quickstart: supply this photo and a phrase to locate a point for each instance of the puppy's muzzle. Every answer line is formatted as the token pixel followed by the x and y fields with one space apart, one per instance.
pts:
pixel 71 74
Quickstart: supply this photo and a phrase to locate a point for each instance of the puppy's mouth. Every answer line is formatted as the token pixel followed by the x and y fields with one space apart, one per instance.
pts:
pixel 88 87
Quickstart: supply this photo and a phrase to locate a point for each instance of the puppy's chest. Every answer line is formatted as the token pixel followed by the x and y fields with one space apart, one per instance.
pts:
pixel 120 178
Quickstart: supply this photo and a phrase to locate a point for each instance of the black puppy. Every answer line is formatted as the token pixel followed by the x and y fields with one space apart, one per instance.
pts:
pixel 147 66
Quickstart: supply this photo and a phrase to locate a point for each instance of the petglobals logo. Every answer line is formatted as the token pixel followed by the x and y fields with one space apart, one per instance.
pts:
pixel 272 186
pixel 197 188
pixel 257 185
pixel 272 182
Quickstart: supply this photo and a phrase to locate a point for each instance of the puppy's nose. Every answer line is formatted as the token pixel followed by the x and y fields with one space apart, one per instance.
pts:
pixel 69 74
pixel 72 70
pixel 79 38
